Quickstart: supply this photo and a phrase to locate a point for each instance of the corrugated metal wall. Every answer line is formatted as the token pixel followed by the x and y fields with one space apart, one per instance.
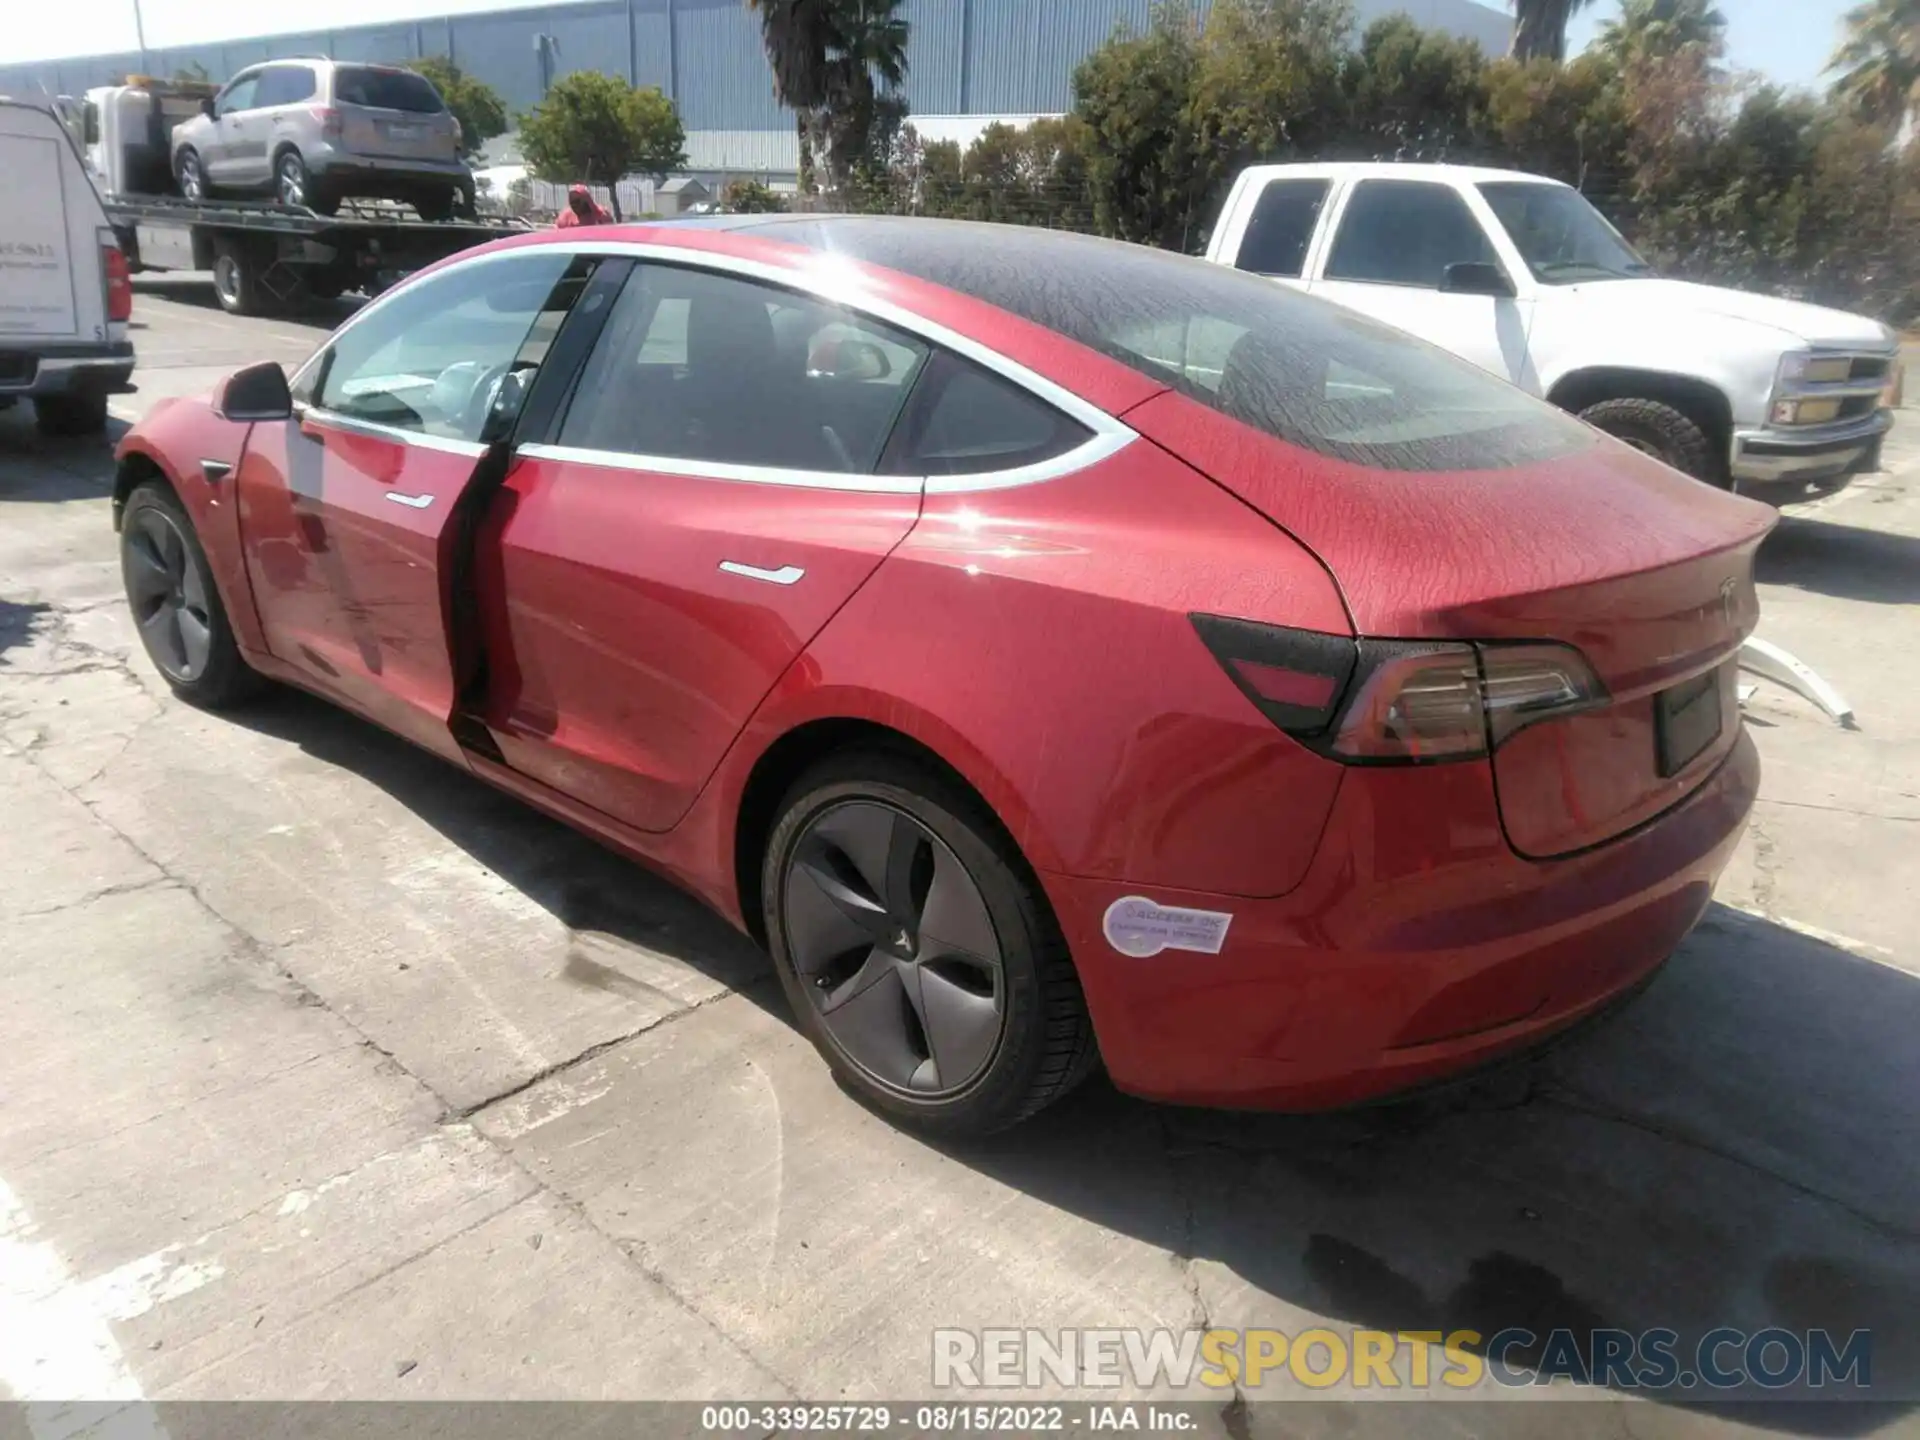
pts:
pixel 968 57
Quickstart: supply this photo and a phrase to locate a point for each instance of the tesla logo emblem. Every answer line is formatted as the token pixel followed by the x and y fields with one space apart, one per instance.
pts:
pixel 1727 592
pixel 902 942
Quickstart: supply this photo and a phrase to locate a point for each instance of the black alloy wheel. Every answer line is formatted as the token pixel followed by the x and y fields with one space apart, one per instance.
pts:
pixel 917 949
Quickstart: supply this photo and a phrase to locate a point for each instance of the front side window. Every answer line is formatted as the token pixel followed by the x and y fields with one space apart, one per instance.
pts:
pixel 430 360
pixel 1406 232
pixel 1281 227
pixel 722 370
pixel 238 95
pixel 386 90
pixel 1560 235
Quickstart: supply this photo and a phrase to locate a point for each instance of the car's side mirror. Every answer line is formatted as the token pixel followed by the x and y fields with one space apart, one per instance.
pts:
pixel 1476 277
pixel 258 392
pixel 509 396
pixel 206 108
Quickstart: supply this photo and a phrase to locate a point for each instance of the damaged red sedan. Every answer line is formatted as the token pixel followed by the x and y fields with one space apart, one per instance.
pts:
pixel 1058 653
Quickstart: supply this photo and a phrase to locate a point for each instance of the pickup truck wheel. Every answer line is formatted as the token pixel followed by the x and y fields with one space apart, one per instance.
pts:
pixel 81 414
pixel 176 606
pixel 1659 430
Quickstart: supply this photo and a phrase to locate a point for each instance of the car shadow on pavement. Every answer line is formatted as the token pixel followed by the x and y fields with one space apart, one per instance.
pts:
pixel 588 888
pixel 1844 561
pixel 43 468
pixel 1738 1147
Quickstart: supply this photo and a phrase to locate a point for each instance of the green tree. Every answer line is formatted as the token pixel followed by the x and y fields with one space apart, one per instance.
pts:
pixel 1415 94
pixel 1540 28
pixel 599 129
pixel 1133 96
pixel 1565 121
pixel 1661 28
pixel 839 65
pixel 1879 62
pixel 474 103
pixel 750 197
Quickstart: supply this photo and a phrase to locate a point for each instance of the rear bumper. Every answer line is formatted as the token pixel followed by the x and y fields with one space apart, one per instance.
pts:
pixel 65 369
pixel 1773 464
pixel 1418 946
pixel 379 173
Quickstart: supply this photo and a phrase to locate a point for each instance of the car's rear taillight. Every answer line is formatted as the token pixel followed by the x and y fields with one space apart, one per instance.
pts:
pixel 1399 701
pixel 329 119
pixel 113 264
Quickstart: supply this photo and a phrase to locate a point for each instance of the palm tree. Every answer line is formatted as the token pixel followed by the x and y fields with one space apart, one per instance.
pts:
pixel 1879 61
pixel 1540 28
pixel 827 56
pixel 1658 29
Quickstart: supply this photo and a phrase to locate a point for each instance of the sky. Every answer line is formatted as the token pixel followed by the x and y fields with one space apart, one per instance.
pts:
pixel 1787 41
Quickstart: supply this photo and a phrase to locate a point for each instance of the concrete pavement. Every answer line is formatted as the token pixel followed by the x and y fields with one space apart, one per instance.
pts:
pixel 327 1072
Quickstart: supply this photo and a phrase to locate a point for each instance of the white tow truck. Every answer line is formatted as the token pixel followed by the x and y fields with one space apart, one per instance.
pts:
pixel 65 296
pixel 265 258
pixel 1522 276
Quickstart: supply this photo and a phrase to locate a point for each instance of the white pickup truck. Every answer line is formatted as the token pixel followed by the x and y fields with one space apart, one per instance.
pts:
pixel 1522 276
pixel 65 295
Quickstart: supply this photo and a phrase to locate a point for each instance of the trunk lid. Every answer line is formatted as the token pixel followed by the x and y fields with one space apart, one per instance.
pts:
pixel 1649 574
pixel 393 114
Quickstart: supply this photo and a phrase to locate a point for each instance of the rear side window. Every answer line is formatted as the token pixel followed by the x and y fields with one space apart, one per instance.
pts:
pixel 284 85
pixel 385 90
pixel 1306 371
pixel 723 370
pixel 1405 232
pixel 969 421
pixel 1281 228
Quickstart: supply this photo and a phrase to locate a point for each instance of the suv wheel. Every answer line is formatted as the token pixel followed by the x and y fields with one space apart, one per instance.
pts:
pixel 293 185
pixel 918 953
pixel 192 180
pixel 436 204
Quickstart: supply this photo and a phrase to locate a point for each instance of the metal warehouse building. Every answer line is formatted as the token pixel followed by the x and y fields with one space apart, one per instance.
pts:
pixel 968 58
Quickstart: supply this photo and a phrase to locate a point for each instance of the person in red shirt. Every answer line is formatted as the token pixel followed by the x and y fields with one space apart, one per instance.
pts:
pixel 582 209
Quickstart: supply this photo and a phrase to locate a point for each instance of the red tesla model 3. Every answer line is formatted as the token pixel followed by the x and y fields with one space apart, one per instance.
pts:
pixel 1057 652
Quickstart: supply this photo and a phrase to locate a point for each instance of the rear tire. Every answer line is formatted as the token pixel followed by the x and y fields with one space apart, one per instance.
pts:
pixel 236 278
pixel 84 413
pixel 436 205
pixel 1044 1043
pixel 1658 429
pixel 176 605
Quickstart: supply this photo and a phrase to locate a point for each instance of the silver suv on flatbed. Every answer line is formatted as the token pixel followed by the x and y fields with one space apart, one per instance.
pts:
pixel 314 132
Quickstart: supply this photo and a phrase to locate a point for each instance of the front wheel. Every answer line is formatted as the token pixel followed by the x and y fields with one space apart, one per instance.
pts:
pixel 176 607
pixel 1658 429
pixel 191 177
pixel 918 952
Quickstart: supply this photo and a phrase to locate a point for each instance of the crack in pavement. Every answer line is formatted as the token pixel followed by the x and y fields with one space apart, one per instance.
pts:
pixel 267 957
pixel 123 887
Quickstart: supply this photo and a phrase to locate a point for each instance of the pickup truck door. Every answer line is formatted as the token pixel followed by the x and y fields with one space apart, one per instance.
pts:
pixel 1390 246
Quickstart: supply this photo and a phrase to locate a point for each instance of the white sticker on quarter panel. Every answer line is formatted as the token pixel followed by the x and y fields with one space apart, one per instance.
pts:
pixel 1138 927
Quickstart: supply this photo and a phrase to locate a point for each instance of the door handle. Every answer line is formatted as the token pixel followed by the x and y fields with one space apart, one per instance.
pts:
pixel 215 470
pixel 414 502
pixel 785 575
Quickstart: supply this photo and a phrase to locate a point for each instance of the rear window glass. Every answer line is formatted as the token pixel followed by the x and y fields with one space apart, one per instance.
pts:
pixel 386 90
pixel 1304 370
